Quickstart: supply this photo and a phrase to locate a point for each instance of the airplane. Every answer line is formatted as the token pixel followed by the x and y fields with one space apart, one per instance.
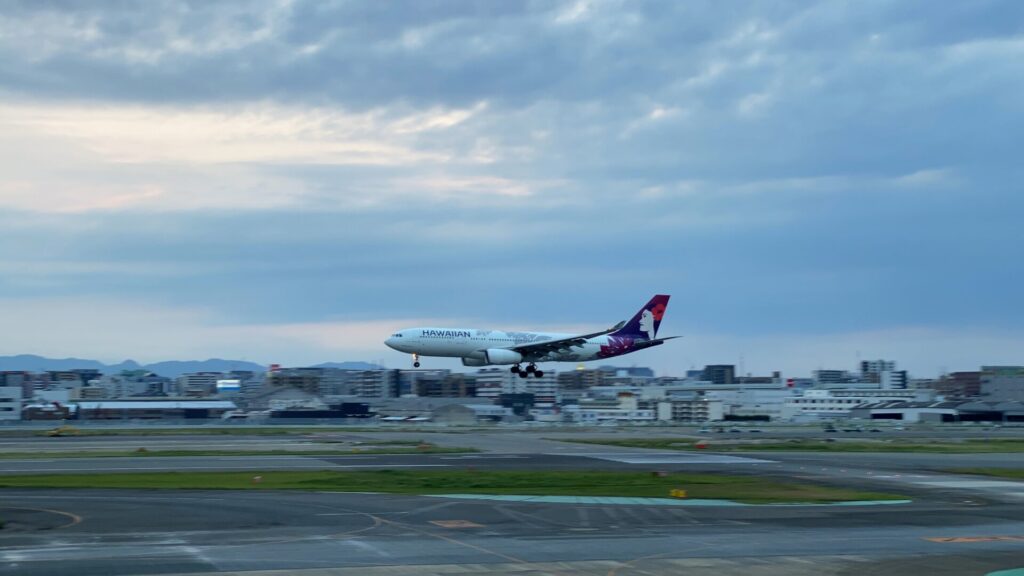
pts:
pixel 494 347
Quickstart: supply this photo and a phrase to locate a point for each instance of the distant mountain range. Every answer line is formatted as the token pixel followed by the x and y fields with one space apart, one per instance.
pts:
pixel 170 368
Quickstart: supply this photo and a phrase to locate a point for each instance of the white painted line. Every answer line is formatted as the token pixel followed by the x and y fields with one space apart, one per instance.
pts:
pixel 366 546
pixel 974 484
pixel 341 514
pixel 669 458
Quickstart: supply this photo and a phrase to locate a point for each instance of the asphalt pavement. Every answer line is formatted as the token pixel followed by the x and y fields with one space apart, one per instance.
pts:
pixel 955 524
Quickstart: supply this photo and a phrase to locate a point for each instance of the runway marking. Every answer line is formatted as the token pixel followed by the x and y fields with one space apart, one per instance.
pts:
pixel 75 518
pixel 456 524
pixel 367 546
pixel 340 514
pixel 484 457
pixel 973 539
pixel 668 458
pixel 974 484
pixel 519 561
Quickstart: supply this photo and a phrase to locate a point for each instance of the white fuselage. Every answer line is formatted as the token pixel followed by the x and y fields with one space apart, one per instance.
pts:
pixel 472 344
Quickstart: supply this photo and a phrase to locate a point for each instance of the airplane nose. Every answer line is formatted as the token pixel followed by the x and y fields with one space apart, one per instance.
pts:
pixel 390 343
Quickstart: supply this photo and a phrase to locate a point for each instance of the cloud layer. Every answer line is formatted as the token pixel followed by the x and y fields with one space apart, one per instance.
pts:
pixel 840 173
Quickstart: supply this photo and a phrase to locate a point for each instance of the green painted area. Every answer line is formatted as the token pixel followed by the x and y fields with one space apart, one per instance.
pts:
pixel 942 447
pixel 747 489
pixel 145 453
pixel 1010 572
pixel 1012 473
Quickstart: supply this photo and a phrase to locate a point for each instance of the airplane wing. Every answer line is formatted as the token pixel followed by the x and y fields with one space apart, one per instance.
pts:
pixel 548 346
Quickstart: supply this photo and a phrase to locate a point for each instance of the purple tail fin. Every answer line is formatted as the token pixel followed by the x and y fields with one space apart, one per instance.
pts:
pixel 645 323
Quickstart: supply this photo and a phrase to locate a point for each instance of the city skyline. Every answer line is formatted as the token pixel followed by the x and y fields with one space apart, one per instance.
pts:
pixel 290 182
pixel 175 367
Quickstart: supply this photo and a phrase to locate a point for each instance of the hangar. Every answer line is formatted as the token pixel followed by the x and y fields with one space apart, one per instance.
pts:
pixel 942 412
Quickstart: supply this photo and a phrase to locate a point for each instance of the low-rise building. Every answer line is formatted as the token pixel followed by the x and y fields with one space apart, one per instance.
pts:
pixel 719 373
pixel 413 408
pixel 696 409
pixel 469 414
pixel 624 409
pixel 957 385
pixel 198 384
pixel 376 384
pixel 580 379
pixel 153 409
pixel 18 378
pixel 10 402
pixel 131 383
pixel 833 377
pixel 1002 383
pixel 493 382
pixel 450 386
pixel 827 404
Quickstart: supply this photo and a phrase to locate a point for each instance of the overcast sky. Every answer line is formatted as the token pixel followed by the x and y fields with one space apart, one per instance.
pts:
pixel 289 182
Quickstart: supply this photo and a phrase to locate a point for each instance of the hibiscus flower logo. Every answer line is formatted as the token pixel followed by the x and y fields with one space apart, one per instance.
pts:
pixel 658 311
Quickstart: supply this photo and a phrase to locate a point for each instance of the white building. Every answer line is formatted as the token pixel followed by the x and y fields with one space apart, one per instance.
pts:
pixel 196 384
pixel 868 367
pixel 695 409
pixel 10 402
pixel 830 404
pixel 749 400
pixel 625 409
pixel 545 390
pixel 493 382
pixel 731 399
pixel 469 414
pixel 376 384
pixel 1002 383
pixel 893 379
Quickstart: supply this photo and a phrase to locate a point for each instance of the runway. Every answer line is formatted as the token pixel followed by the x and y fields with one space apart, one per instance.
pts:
pixel 167 532
pixel 954 525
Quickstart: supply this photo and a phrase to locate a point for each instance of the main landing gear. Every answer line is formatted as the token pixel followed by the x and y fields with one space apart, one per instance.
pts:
pixel 415 360
pixel 531 368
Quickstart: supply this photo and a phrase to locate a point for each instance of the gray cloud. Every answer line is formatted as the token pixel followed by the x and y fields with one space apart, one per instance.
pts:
pixel 783 168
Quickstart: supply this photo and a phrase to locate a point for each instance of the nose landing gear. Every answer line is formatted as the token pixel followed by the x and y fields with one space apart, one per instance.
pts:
pixel 415 360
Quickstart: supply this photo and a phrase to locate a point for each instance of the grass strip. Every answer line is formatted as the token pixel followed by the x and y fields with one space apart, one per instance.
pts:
pixel 145 453
pixel 754 490
pixel 965 447
pixel 1011 473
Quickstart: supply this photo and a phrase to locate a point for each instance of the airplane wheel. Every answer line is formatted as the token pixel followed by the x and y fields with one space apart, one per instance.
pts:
pixel 531 368
pixel 514 369
pixel 539 373
pixel 524 374
pixel 415 364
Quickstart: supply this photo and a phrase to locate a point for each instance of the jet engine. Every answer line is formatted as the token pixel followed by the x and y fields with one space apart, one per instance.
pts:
pixel 474 362
pixel 502 356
